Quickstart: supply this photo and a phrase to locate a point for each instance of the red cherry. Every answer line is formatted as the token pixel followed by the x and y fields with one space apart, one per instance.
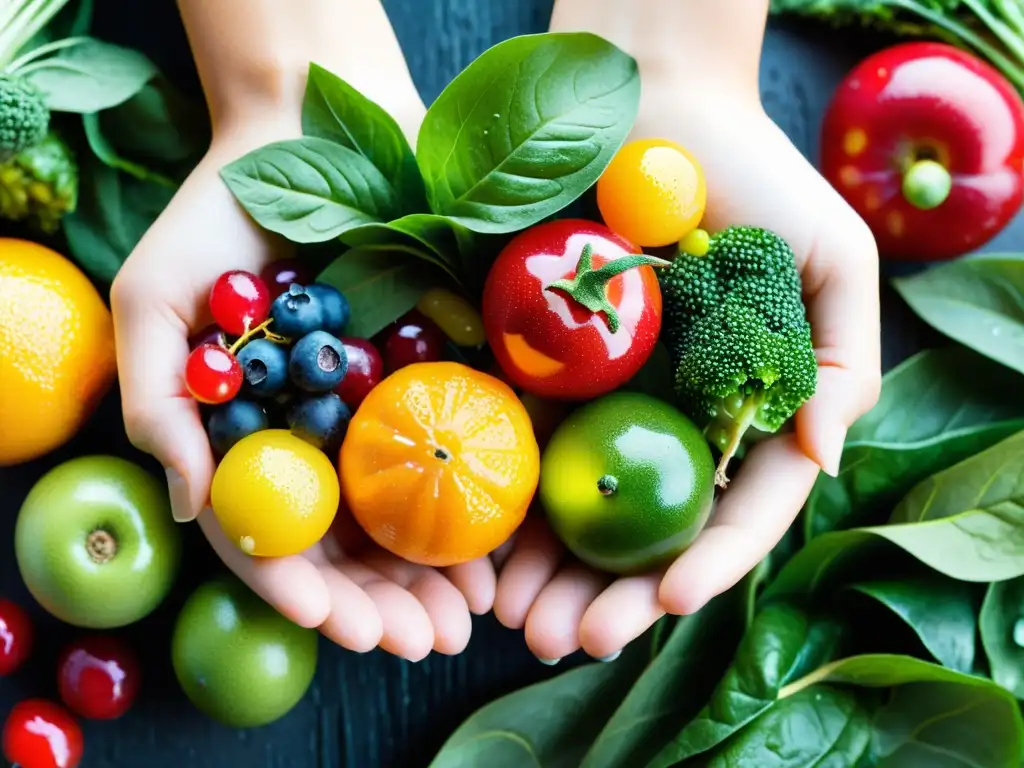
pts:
pixel 365 370
pixel 239 301
pixel 278 275
pixel 15 637
pixel 41 734
pixel 98 677
pixel 412 339
pixel 211 334
pixel 212 374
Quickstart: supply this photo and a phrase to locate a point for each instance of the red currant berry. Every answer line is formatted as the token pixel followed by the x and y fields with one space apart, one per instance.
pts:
pixel 15 637
pixel 278 275
pixel 98 677
pixel 211 334
pixel 212 374
pixel 412 339
pixel 41 734
pixel 239 301
pixel 365 370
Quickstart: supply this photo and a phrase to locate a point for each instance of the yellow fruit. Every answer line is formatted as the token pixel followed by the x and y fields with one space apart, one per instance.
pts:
pixel 56 350
pixel 274 494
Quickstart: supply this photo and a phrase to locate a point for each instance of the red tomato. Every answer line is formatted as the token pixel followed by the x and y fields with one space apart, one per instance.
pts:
pixel 98 677
pixel 15 637
pixel 561 328
pixel 41 734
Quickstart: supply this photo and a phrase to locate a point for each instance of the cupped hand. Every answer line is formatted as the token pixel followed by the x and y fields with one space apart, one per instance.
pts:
pixel 357 595
pixel 755 176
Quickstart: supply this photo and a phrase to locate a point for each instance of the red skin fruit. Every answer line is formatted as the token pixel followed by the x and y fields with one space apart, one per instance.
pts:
pixel 98 677
pixel 278 275
pixel 365 370
pixel 239 300
pixel 926 101
pixel 546 342
pixel 413 338
pixel 41 734
pixel 15 637
pixel 211 334
pixel 212 374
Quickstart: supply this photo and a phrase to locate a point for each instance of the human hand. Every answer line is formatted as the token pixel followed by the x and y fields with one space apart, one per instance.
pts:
pixel 755 176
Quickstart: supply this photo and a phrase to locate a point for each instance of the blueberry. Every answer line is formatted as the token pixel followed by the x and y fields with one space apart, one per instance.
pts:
pixel 234 420
pixel 336 308
pixel 321 421
pixel 296 312
pixel 318 362
pixel 264 367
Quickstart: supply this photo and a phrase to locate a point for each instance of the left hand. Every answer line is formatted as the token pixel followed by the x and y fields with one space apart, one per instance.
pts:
pixel 755 176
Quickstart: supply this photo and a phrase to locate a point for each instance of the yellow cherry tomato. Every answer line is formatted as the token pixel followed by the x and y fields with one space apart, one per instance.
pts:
pixel 652 193
pixel 455 316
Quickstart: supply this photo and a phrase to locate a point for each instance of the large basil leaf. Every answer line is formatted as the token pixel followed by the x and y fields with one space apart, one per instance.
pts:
pixel 977 300
pixel 436 239
pixel 936 409
pixel 310 190
pixel 526 129
pixel 332 109
pixel 1002 633
pixel 781 645
pixel 942 612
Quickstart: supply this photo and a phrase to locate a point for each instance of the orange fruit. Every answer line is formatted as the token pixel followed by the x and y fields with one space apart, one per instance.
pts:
pixel 56 350
pixel 652 193
pixel 439 463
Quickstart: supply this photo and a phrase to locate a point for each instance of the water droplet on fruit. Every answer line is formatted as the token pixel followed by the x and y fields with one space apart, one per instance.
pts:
pixel 328 359
pixel 247 544
pixel 1018 632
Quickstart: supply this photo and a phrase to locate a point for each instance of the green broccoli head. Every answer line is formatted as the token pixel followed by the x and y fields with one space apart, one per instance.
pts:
pixel 24 118
pixel 736 327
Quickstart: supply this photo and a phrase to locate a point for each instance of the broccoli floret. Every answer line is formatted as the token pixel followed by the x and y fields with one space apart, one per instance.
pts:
pixel 40 185
pixel 737 331
pixel 24 118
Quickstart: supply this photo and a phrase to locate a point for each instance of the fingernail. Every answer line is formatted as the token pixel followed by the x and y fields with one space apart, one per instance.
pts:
pixel 181 503
pixel 832 450
pixel 610 657
pixel 549 662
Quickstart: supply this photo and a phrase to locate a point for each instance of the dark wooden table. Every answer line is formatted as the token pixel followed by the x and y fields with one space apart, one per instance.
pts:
pixel 370 710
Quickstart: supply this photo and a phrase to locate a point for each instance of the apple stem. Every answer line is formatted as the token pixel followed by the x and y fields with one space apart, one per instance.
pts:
pixel 101 546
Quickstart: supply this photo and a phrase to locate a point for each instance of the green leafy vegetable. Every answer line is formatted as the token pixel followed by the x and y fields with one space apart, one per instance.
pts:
pixel 106 152
pixel 526 129
pixel 436 239
pixel 1002 633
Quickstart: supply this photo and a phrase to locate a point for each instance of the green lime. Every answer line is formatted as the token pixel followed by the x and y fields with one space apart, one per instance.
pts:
pixel 627 482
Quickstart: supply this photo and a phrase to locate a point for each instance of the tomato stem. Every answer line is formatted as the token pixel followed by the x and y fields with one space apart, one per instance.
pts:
pixel 926 184
pixel 590 286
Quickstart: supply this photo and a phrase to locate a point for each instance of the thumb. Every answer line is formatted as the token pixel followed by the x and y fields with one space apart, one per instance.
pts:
pixel 822 422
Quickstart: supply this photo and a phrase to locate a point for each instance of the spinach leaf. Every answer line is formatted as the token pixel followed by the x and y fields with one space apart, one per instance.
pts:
pixel 380 287
pixel 436 239
pixel 937 408
pixel 310 190
pixel 781 645
pixel 105 151
pixel 89 76
pixel 977 300
pixel 1002 633
pixel 526 129
pixel 334 110
pixel 942 612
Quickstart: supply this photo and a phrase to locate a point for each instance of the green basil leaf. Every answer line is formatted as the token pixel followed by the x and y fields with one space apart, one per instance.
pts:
pixel 310 190
pixel 334 110
pixel 936 409
pixel 526 129
pixel 977 300
pixel 434 238
pixel 379 286
pixel 89 76
pixel 105 151
pixel 941 611
pixel 1002 633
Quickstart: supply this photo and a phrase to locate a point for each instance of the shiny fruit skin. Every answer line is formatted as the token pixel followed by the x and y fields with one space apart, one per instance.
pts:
pixel 237 659
pixel 365 371
pixel 56 350
pixel 663 483
pixel 212 374
pixel 16 636
pixel 455 316
pixel 320 420
pixel 98 677
pixel 234 420
pixel 412 339
pixel 96 544
pixel 211 334
pixel 337 311
pixel 239 300
pixel 274 494
pixel 652 193
pixel 317 362
pixel 278 275
pixel 264 367
pixel 439 463
pixel 296 312
pixel 41 734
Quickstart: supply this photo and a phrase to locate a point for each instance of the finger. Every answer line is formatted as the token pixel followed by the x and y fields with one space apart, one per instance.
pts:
pixel 292 585
pixel 477 581
pixel 354 622
pixel 621 614
pixel 553 623
pixel 750 519
pixel 530 566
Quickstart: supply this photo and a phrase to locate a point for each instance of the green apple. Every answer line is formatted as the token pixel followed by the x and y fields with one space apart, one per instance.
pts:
pixel 237 659
pixel 95 542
